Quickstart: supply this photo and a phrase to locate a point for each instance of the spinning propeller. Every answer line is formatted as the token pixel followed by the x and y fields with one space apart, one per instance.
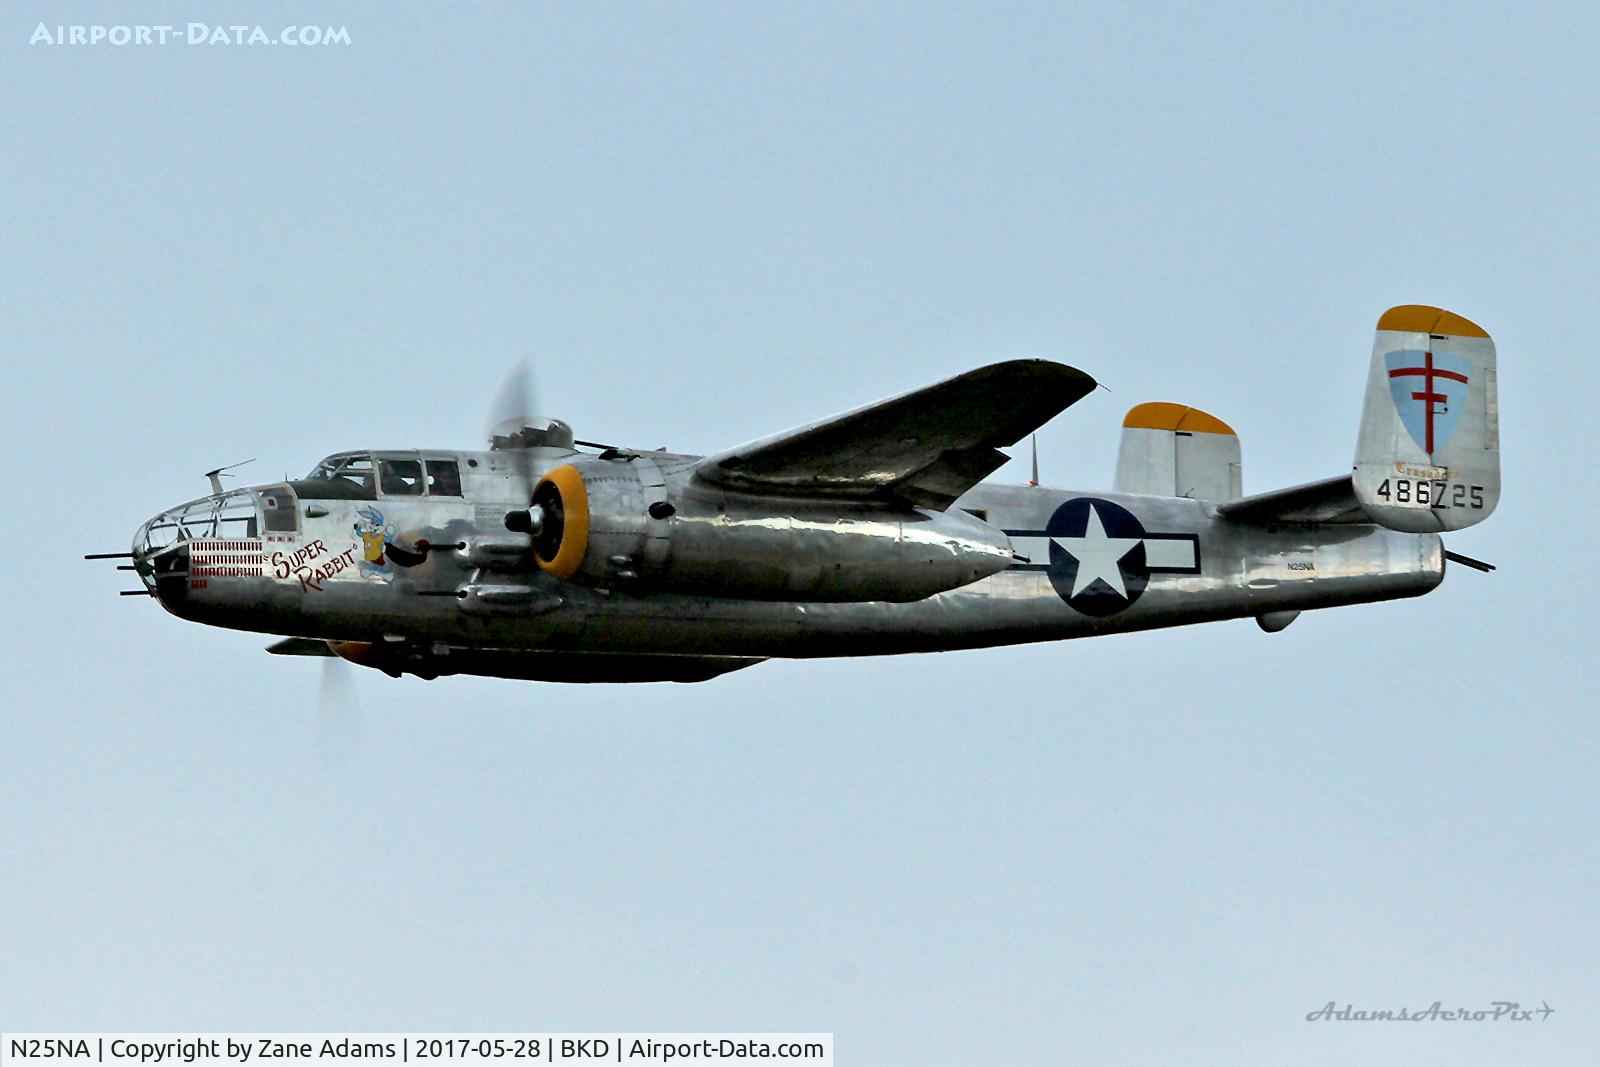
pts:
pixel 514 429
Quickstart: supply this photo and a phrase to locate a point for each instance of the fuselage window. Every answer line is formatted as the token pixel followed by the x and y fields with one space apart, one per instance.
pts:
pixel 400 477
pixel 444 478
pixel 278 509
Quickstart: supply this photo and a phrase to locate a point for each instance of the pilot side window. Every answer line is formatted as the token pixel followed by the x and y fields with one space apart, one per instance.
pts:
pixel 444 478
pixel 357 470
pixel 400 477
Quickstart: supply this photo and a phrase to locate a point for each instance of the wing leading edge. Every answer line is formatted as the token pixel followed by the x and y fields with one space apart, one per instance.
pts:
pixel 925 447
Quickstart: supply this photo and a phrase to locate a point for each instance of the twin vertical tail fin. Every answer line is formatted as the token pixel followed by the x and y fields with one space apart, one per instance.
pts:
pixel 1173 450
pixel 1428 454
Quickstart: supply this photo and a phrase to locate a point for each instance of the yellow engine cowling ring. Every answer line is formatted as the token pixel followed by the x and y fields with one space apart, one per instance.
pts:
pixel 562 543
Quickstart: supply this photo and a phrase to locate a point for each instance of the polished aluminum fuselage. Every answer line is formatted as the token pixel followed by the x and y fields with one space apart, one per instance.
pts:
pixel 486 595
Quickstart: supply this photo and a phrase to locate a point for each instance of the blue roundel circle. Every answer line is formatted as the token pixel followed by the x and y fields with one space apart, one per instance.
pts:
pixel 1097 559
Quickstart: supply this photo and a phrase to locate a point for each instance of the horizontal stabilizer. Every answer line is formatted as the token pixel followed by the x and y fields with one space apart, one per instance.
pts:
pixel 1172 450
pixel 925 447
pixel 1332 500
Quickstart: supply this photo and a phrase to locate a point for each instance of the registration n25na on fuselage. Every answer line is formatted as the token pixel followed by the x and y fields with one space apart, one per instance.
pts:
pixel 868 533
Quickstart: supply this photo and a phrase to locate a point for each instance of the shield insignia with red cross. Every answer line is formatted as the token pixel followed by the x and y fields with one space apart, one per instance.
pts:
pixel 1430 393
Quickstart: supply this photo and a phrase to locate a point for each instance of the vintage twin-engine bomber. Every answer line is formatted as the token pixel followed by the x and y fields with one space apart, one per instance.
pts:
pixel 868 533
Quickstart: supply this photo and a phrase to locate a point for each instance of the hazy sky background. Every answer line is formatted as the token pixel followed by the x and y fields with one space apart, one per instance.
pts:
pixel 706 223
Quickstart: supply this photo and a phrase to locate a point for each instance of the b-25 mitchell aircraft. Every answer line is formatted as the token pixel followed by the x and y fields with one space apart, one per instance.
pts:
pixel 869 533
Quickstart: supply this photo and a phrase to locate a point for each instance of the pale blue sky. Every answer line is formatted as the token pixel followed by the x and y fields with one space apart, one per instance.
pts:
pixel 704 224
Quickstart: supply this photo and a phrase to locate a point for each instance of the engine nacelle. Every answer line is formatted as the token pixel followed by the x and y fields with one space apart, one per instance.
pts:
pixel 619 523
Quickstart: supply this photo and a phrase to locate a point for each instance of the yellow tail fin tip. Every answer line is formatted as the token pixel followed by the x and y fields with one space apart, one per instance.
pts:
pixel 1421 318
pixel 1160 415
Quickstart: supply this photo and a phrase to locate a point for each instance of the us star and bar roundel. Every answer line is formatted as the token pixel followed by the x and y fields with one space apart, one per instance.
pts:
pixel 1100 555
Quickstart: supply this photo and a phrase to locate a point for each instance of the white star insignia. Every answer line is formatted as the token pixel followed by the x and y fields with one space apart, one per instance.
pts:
pixel 1098 555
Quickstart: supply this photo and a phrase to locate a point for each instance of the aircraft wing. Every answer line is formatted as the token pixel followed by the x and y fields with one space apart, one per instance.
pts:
pixel 1332 500
pixel 925 447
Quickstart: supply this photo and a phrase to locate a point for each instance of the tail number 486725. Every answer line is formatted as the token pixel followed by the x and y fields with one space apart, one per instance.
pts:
pixel 1426 493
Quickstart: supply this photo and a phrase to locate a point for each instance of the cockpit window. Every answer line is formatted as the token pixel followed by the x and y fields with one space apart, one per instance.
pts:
pixel 444 478
pixel 356 470
pixel 400 477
